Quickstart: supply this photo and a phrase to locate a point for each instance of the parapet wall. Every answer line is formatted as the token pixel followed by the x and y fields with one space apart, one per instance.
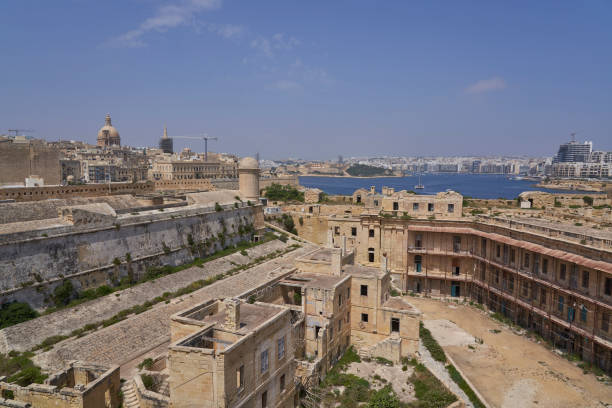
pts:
pixel 81 190
pixel 34 262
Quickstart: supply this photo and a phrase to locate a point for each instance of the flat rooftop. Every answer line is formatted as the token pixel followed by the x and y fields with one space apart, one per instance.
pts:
pixel 323 254
pixel 314 280
pixel 363 271
pixel 251 316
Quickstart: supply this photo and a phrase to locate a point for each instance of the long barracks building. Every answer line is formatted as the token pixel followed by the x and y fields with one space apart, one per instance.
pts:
pixel 553 279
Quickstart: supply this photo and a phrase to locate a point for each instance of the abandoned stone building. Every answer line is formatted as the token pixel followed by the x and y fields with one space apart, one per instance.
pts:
pixel 448 205
pixel 258 350
pixel 80 385
pixel 550 276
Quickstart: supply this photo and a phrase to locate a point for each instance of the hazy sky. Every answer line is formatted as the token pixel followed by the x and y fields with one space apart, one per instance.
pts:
pixel 312 78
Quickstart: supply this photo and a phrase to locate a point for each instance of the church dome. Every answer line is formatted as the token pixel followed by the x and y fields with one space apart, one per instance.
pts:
pixel 248 163
pixel 108 135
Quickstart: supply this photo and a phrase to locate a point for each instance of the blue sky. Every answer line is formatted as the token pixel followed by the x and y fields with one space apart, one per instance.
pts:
pixel 313 78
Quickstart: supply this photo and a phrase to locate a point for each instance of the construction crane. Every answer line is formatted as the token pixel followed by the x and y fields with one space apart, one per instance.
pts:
pixel 17 131
pixel 205 138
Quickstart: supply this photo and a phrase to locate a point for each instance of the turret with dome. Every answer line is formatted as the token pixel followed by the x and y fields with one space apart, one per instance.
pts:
pixel 108 135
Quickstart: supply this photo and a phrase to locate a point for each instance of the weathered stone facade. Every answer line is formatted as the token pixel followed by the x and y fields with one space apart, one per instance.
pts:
pixel 81 385
pixel 92 245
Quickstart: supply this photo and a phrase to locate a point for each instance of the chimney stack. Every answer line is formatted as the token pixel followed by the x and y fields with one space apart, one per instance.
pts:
pixel 383 262
pixel 343 246
pixel 232 314
pixel 330 238
pixel 336 261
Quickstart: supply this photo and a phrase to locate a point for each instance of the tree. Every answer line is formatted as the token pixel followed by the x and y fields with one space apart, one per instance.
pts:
pixel 277 192
pixel 588 200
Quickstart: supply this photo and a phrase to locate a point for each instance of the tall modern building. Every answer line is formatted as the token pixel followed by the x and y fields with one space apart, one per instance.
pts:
pixel 165 143
pixel 574 152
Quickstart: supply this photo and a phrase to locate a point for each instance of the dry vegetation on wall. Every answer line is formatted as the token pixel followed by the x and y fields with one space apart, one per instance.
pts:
pixel 22 370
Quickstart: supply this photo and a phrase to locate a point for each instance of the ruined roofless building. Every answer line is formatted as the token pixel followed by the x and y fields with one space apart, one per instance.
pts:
pixel 108 135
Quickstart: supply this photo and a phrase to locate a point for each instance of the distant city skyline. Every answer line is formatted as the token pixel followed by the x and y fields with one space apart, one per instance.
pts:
pixel 313 79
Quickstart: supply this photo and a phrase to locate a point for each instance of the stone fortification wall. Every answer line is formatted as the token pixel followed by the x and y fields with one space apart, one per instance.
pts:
pixel 188 184
pixel 72 191
pixel 265 182
pixel 95 253
pixel 40 210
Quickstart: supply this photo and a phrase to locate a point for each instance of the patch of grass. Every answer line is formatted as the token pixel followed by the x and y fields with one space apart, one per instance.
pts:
pixel 431 344
pixel 428 390
pixel 458 379
pixel 349 356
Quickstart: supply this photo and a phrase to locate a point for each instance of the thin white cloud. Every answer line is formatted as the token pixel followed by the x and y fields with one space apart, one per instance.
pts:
pixel 167 17
pixel 263 45
pixel 278 42
pixel 228 31
pixel 486 85
pixel 287 85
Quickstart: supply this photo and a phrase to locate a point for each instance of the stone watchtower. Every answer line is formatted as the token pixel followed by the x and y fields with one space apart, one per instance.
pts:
pixel 248 174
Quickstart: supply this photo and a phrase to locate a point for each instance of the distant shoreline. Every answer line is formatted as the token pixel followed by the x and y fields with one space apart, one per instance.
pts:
pixel 355 177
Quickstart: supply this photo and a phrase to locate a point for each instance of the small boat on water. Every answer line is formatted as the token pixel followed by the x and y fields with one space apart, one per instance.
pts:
pixel 419 186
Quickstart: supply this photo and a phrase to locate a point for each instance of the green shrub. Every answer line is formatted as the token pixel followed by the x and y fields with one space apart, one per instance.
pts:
pixel 8 394
pixel 147 363
pixel 63 293
pixel 384 361
pixel 147 381
pixel 277 192
pixel 16 312
pixel 27 376
pixel 588 200
pixel 218 207
pixel 384 398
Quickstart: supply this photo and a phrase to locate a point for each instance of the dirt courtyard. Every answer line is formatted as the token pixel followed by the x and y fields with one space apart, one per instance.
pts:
pixel 509 370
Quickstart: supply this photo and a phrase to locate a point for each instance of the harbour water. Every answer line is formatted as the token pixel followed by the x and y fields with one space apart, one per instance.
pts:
pixel 473 185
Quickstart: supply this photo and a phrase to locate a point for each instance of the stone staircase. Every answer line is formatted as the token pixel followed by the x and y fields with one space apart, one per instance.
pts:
pixel 388 348
pixel 164 388
pixel 130 400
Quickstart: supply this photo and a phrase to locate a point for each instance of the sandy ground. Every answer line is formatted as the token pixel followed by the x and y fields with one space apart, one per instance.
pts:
pixel 507 369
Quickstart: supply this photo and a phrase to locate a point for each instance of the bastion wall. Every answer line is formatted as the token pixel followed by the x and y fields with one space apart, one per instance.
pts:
pixel 93 251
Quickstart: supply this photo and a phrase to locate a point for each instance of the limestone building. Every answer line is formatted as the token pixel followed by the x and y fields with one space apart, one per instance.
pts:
pixel 20 158
pixel 235 355
pixel 551 277
pixel 108 135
